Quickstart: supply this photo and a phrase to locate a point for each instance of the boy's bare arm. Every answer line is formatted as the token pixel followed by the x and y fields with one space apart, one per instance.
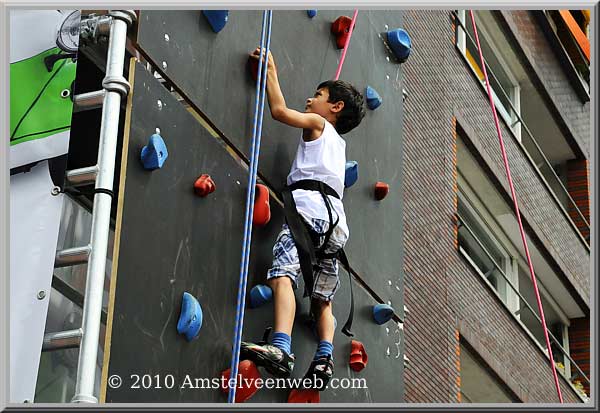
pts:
pixel 279 110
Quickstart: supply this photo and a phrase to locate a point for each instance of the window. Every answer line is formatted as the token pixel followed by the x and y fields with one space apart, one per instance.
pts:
pixel 521 105
pixel 482 242
pixel 489 241
pixel 505 87
pixel 483 249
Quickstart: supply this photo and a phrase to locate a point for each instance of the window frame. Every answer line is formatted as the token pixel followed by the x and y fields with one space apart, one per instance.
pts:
pixel 511 300
pixel 469 199
pixel 510 116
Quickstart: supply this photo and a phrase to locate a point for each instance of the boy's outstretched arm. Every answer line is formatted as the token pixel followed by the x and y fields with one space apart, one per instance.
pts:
pixel 279 110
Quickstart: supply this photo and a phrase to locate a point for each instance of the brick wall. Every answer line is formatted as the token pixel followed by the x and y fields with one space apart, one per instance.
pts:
pixel 442 291
pixel 579 188
pixel 579 345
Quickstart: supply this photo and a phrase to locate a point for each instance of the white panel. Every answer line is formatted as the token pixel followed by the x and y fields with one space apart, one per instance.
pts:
pixel 31 151
pixel 32 32
pixel 34 223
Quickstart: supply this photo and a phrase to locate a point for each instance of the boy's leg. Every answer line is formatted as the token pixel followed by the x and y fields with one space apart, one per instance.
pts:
pixel 284 302
pixel 284 310
pixel 322 311
pixel 326 284
pixel 282 277
pixel 321 368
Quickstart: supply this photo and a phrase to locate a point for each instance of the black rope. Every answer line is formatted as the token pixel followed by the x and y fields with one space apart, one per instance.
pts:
pixel 104 191
pixel 79 192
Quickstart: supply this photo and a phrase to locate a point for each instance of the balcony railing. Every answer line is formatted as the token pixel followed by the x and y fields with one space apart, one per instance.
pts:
pixel 545 169
pixel 568 375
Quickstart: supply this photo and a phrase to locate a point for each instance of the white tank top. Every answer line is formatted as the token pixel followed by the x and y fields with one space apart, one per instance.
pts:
pixel 323 159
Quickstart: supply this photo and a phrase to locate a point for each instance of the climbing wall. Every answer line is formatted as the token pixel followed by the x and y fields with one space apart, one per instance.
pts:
pixel 171 241
pixel 211 70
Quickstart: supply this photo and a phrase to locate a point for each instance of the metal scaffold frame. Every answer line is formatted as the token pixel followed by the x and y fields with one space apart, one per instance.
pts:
pixel 115 88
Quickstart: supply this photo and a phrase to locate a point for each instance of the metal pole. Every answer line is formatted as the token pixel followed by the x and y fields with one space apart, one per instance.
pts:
pixel 72 256
pixel 62 340
pixel 116 86
pixel 88 101
pixel 82 176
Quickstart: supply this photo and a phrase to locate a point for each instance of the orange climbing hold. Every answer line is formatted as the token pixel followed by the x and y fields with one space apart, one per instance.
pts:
pixel 204 185
pixel 358 356
pixel 246 387
pixel 304 396
pixel 262 210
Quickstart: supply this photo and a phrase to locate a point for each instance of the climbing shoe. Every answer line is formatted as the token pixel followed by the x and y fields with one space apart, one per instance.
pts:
pixel 319 373
pixel 273 359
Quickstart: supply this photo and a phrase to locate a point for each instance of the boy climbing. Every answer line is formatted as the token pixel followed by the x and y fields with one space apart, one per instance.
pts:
pixel 316 228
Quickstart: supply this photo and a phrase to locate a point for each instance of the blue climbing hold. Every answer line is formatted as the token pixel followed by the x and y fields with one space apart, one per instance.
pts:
pixel 190 319
pixel 155 153
pixel 351 173
pixel 400 43
pixel 216 18
pixel 311 13
pixel 259 295
pixel 382 313
pixel 373 98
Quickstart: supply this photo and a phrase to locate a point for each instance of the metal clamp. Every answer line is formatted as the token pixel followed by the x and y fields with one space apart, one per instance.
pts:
pixel 94 27
pixel 128 16
pixel 116 84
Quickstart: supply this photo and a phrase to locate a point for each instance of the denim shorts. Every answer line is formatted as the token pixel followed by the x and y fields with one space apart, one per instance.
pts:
pixel 287 264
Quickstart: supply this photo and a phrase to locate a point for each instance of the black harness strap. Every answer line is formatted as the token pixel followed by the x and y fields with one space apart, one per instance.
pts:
pixel 314 185
pixel 304 245
pixel 348 325
pixel 306 238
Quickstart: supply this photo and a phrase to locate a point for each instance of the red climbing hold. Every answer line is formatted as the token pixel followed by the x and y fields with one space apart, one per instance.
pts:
pixel 262 210
pixel 341 28
pixel 204 185
pixel 253 67
pixel 358 356
pixel 247 375
pixel 304 396
pixel 381 190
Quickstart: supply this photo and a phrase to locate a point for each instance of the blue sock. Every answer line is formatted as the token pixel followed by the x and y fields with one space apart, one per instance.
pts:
pixel 325 348
pixel 282 341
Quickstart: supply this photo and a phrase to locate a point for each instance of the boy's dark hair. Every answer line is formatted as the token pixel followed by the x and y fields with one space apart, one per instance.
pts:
pixel 354 104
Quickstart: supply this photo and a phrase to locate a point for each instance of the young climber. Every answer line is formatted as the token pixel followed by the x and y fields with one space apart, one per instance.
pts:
pixel 316 182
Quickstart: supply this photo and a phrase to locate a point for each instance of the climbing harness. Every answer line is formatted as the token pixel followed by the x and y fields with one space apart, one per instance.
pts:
pixel 261 85
pixel 516 205
pixel 341 63
pixel 306 238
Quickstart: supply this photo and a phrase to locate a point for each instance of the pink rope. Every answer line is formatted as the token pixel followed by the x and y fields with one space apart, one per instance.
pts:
pixel 339 68
pixel 514 197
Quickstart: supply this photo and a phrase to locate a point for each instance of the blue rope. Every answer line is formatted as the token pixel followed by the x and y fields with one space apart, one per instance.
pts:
pixel 261 84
